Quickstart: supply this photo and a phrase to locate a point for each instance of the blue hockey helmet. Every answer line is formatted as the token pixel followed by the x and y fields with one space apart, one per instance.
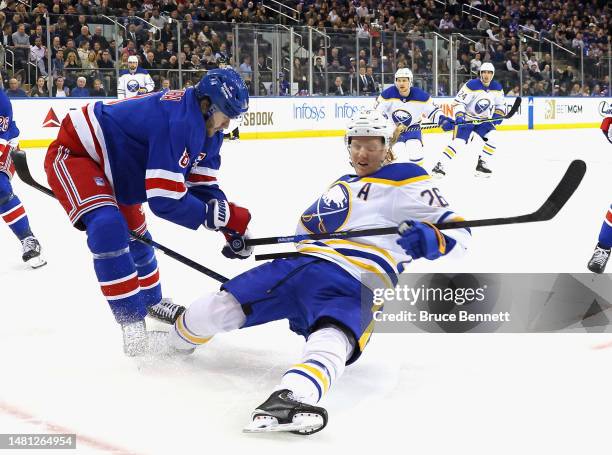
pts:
pixel 226 90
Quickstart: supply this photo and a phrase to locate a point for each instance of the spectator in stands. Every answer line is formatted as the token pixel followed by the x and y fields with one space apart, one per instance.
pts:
pixel 80 90
pixel 475 64
pixel 59 90
pixel 40 89
pixel 6 39
pixel 15 90
pixel 283 85
pixel 338 88
pixel 71 68
pixel 98 37
pixel 372 80
pixel 165 84
pixel 446 23
pixel 98 90
pixel 21 46
pixel 38 54
pixel 245 68
pixel 84 36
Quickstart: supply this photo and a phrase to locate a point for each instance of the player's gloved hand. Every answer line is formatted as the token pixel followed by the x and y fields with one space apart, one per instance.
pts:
pixel 606 128
pixel 446 123
pixel 459 118
pixel 497 115
pixel 421 239
pixel 222 214
pixel 235 247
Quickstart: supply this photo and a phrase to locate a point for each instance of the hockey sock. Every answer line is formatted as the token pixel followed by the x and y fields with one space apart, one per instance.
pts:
pixel 605 235
pixel 11 209
pixel 451 150
pixel 148 273
pixel 207 316
pixel 107 238
pixel 488 150
pixel 322 364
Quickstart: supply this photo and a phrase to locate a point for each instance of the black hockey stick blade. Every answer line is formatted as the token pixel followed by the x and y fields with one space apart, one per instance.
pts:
pixel 23 171
pixel 561 194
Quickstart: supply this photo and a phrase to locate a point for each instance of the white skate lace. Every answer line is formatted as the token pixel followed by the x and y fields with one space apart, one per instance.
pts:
pixel 30 244
pixel 600 256
pixel 166 309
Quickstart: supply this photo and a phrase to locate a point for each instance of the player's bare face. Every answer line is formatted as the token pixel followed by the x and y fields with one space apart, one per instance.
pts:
pixel 486 77
pixel 367 154
pixel 403 85
pixel 216 122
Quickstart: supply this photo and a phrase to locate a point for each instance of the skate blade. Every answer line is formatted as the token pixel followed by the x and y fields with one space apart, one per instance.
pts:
pixel 437 176
pixel 305 424
pixel 36 262
pixel 158 346
pixel 482 175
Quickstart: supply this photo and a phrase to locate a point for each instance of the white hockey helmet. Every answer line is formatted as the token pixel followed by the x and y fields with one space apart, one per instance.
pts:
pixel 403 72
pixel 369 123
pixel 487 66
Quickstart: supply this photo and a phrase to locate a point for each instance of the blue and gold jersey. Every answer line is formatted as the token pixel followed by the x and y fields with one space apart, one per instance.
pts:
pixel 394 193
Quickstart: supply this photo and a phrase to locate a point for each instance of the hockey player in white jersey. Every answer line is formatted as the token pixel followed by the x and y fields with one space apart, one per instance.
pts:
pixel 407 106
pixel 134 81
pixel 478 99
pixel 319 291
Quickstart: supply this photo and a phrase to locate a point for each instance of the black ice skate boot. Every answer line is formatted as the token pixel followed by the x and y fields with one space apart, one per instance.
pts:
pixel 598 262
pixel 281 412
pixel 31 252
pixel 481 168
pixel 166 311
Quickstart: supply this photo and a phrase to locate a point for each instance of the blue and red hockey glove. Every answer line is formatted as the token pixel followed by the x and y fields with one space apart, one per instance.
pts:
pixel 605 127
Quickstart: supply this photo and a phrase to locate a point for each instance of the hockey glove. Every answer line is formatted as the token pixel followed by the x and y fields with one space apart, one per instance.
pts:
pixel 235 247
pixel 222 214
pixel 499 116
pixel 606 128
pixel 459 118
pixel 446 123
pixel 421 239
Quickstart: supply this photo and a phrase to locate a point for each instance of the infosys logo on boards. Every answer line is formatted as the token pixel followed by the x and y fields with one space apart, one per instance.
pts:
pixel 321 112
pixel 308 111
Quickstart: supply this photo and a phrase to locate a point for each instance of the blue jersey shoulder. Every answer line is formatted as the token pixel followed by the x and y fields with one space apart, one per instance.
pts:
pixel 475 84
pixel 138 71
pixel 399 171
pixel 418 94
pixel 390 92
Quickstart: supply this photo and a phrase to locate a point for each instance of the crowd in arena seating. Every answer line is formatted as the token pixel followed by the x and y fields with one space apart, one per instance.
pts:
pixel 84 57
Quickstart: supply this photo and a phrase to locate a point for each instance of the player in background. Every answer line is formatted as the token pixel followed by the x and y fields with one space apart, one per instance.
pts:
pixel 11 209
pixel 134 81
pixel 407 106
pixel 478 99
pixel 319 290
pixel 598 262
pixel 161 148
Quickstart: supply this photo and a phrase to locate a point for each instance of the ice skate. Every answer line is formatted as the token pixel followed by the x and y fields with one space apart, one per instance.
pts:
pixel 438 170
pixel 281 412
pixel 166 311
pixel 481 169
pixel 598 262
pixel 31 252
pixel 134 338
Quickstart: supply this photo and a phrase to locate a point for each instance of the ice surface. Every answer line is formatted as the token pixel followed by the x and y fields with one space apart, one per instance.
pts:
pixel 63 367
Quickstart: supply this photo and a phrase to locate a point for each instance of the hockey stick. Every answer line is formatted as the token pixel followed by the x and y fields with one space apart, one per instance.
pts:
pixel 428 126
pixel 557 199
pixel 23 171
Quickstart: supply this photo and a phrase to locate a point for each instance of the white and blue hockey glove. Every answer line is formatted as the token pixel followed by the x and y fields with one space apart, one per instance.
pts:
pixel 421 239
pixel 235 248
pixel 446 123
pixel 499 116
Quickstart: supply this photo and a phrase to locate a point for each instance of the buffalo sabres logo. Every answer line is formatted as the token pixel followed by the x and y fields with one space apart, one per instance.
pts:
pixel 133 85
pixel 482 105
pixel 330 212
pixel 402 116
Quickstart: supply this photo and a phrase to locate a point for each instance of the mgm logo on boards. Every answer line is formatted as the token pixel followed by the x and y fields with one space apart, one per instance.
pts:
pixel 552 109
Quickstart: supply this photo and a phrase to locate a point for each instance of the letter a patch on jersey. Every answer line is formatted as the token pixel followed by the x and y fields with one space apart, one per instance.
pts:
pixel 184 161
pixel 364 191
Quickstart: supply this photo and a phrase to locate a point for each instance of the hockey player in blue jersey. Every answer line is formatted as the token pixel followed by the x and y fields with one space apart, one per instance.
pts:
pixel 600 257
pixel 11 209
pixel 320 290
pixel 478 99
pixel 161 148
pixel 407 106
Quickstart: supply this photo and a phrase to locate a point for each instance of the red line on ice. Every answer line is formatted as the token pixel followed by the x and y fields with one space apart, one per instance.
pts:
pixel 87 440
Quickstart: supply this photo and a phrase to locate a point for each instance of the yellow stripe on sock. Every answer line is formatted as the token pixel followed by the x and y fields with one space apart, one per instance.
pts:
pixel 317 373
pixel 182 330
